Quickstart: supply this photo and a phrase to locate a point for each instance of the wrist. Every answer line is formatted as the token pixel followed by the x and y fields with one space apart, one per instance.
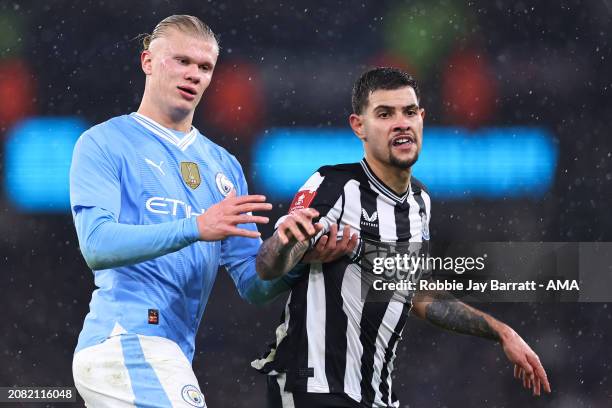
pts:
pixel 194 232
pixel 505 333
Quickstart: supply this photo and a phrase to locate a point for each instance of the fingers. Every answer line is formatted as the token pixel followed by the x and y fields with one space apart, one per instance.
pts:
pixel 540 373
pixel 328 252
pixel 321 244
pixel 251 198
pixel 536 387
pixel 251 207
pixel 299 226
pixel 233 205
pixel 346 236
pixel 532 375
pixel 242 232
pixel 525 380
pixel 295 232
pixel 352 243
pixel 333 236
pixel 329 248
pixel 517 371
pixel 348 242
pixel 318 227
pixel 284 239
pixel 246 219
pixel 303 221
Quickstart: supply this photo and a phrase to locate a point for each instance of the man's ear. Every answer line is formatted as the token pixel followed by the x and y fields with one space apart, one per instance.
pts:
pixel 357 125
pixel 146 63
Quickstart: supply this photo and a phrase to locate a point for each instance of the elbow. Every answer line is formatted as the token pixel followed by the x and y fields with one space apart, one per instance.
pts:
pixel 96 255
pixel 94 263
pixel 94 259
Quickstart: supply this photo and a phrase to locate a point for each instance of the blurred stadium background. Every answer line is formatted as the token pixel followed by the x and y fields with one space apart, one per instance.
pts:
pixel 517 148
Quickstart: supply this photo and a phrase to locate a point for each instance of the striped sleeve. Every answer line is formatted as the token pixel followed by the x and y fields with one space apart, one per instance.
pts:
pixel 323 191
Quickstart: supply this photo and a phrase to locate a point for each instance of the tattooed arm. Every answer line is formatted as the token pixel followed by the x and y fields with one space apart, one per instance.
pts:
pixel 283 250
pixel 443 310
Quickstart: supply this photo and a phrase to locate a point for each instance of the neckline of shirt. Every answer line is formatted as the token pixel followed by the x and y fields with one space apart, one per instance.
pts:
pixel 381 186
pixel 166 133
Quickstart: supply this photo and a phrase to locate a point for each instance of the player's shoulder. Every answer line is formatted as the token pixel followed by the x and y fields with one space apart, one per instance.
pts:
pixel 107 131
pixel 418 186
pixel 344 171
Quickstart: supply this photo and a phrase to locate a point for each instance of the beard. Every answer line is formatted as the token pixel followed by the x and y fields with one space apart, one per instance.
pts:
pixel 402 164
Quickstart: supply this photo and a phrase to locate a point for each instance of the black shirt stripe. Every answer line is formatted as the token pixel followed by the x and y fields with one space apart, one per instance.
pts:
pixel 335 325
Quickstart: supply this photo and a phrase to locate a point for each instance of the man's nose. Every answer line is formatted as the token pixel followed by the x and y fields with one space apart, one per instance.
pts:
pixel 193 74
pixel 402 125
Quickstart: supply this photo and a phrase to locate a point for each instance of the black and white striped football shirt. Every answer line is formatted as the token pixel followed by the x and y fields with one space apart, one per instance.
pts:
pixel 331 339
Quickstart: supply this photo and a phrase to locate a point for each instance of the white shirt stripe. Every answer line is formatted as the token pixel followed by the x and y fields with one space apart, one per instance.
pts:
pixel 392 316
pixel 351 295
pixel 315 327
pixel 386 219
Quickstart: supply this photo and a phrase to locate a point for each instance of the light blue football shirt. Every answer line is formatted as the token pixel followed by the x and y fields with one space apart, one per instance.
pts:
pixel 153 183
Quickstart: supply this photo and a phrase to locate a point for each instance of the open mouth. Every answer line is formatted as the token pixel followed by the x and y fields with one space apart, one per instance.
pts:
pixel 403 140
pixel 187 90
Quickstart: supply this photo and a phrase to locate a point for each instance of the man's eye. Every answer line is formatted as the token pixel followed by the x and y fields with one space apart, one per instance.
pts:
pixel 383 115
pixel 182 61
pixel 411 112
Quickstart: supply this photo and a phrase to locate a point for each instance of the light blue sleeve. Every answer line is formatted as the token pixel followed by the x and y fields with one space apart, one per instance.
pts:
pixel 95 197
pixel 105 243
pixel 94 174
pixel 238 256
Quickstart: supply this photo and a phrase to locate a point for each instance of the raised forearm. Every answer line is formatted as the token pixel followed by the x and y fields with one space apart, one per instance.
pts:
pixel 274 258
pixel 445 311
pixel 107 244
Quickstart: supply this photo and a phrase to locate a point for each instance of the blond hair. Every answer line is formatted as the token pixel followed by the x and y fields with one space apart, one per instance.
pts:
pixel 187 24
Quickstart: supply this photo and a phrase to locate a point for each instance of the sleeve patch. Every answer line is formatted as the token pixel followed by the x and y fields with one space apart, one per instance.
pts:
pixel 302 200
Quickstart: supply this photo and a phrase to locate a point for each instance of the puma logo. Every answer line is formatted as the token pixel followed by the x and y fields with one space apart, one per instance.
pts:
pixel 157 166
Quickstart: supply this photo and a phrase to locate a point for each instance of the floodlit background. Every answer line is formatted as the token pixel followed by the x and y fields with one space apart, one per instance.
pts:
pixel 517 148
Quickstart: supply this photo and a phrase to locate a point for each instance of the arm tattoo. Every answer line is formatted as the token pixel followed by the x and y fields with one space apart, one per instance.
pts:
pixel 275 259
pixel 447 312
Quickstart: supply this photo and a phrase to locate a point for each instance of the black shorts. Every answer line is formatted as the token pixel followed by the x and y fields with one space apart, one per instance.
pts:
pixel 278 398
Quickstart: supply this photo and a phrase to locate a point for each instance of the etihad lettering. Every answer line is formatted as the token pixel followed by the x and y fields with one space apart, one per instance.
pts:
pixel 171 206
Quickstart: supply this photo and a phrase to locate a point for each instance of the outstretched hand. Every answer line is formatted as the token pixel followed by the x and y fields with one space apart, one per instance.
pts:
pixel 527 365
pixel 220 221
pixel 328 249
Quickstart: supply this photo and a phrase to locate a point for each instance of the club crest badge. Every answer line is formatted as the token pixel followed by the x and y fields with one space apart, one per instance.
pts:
pixel 193 396
pixel 424 227
pixel 191 174
pixel 223 184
